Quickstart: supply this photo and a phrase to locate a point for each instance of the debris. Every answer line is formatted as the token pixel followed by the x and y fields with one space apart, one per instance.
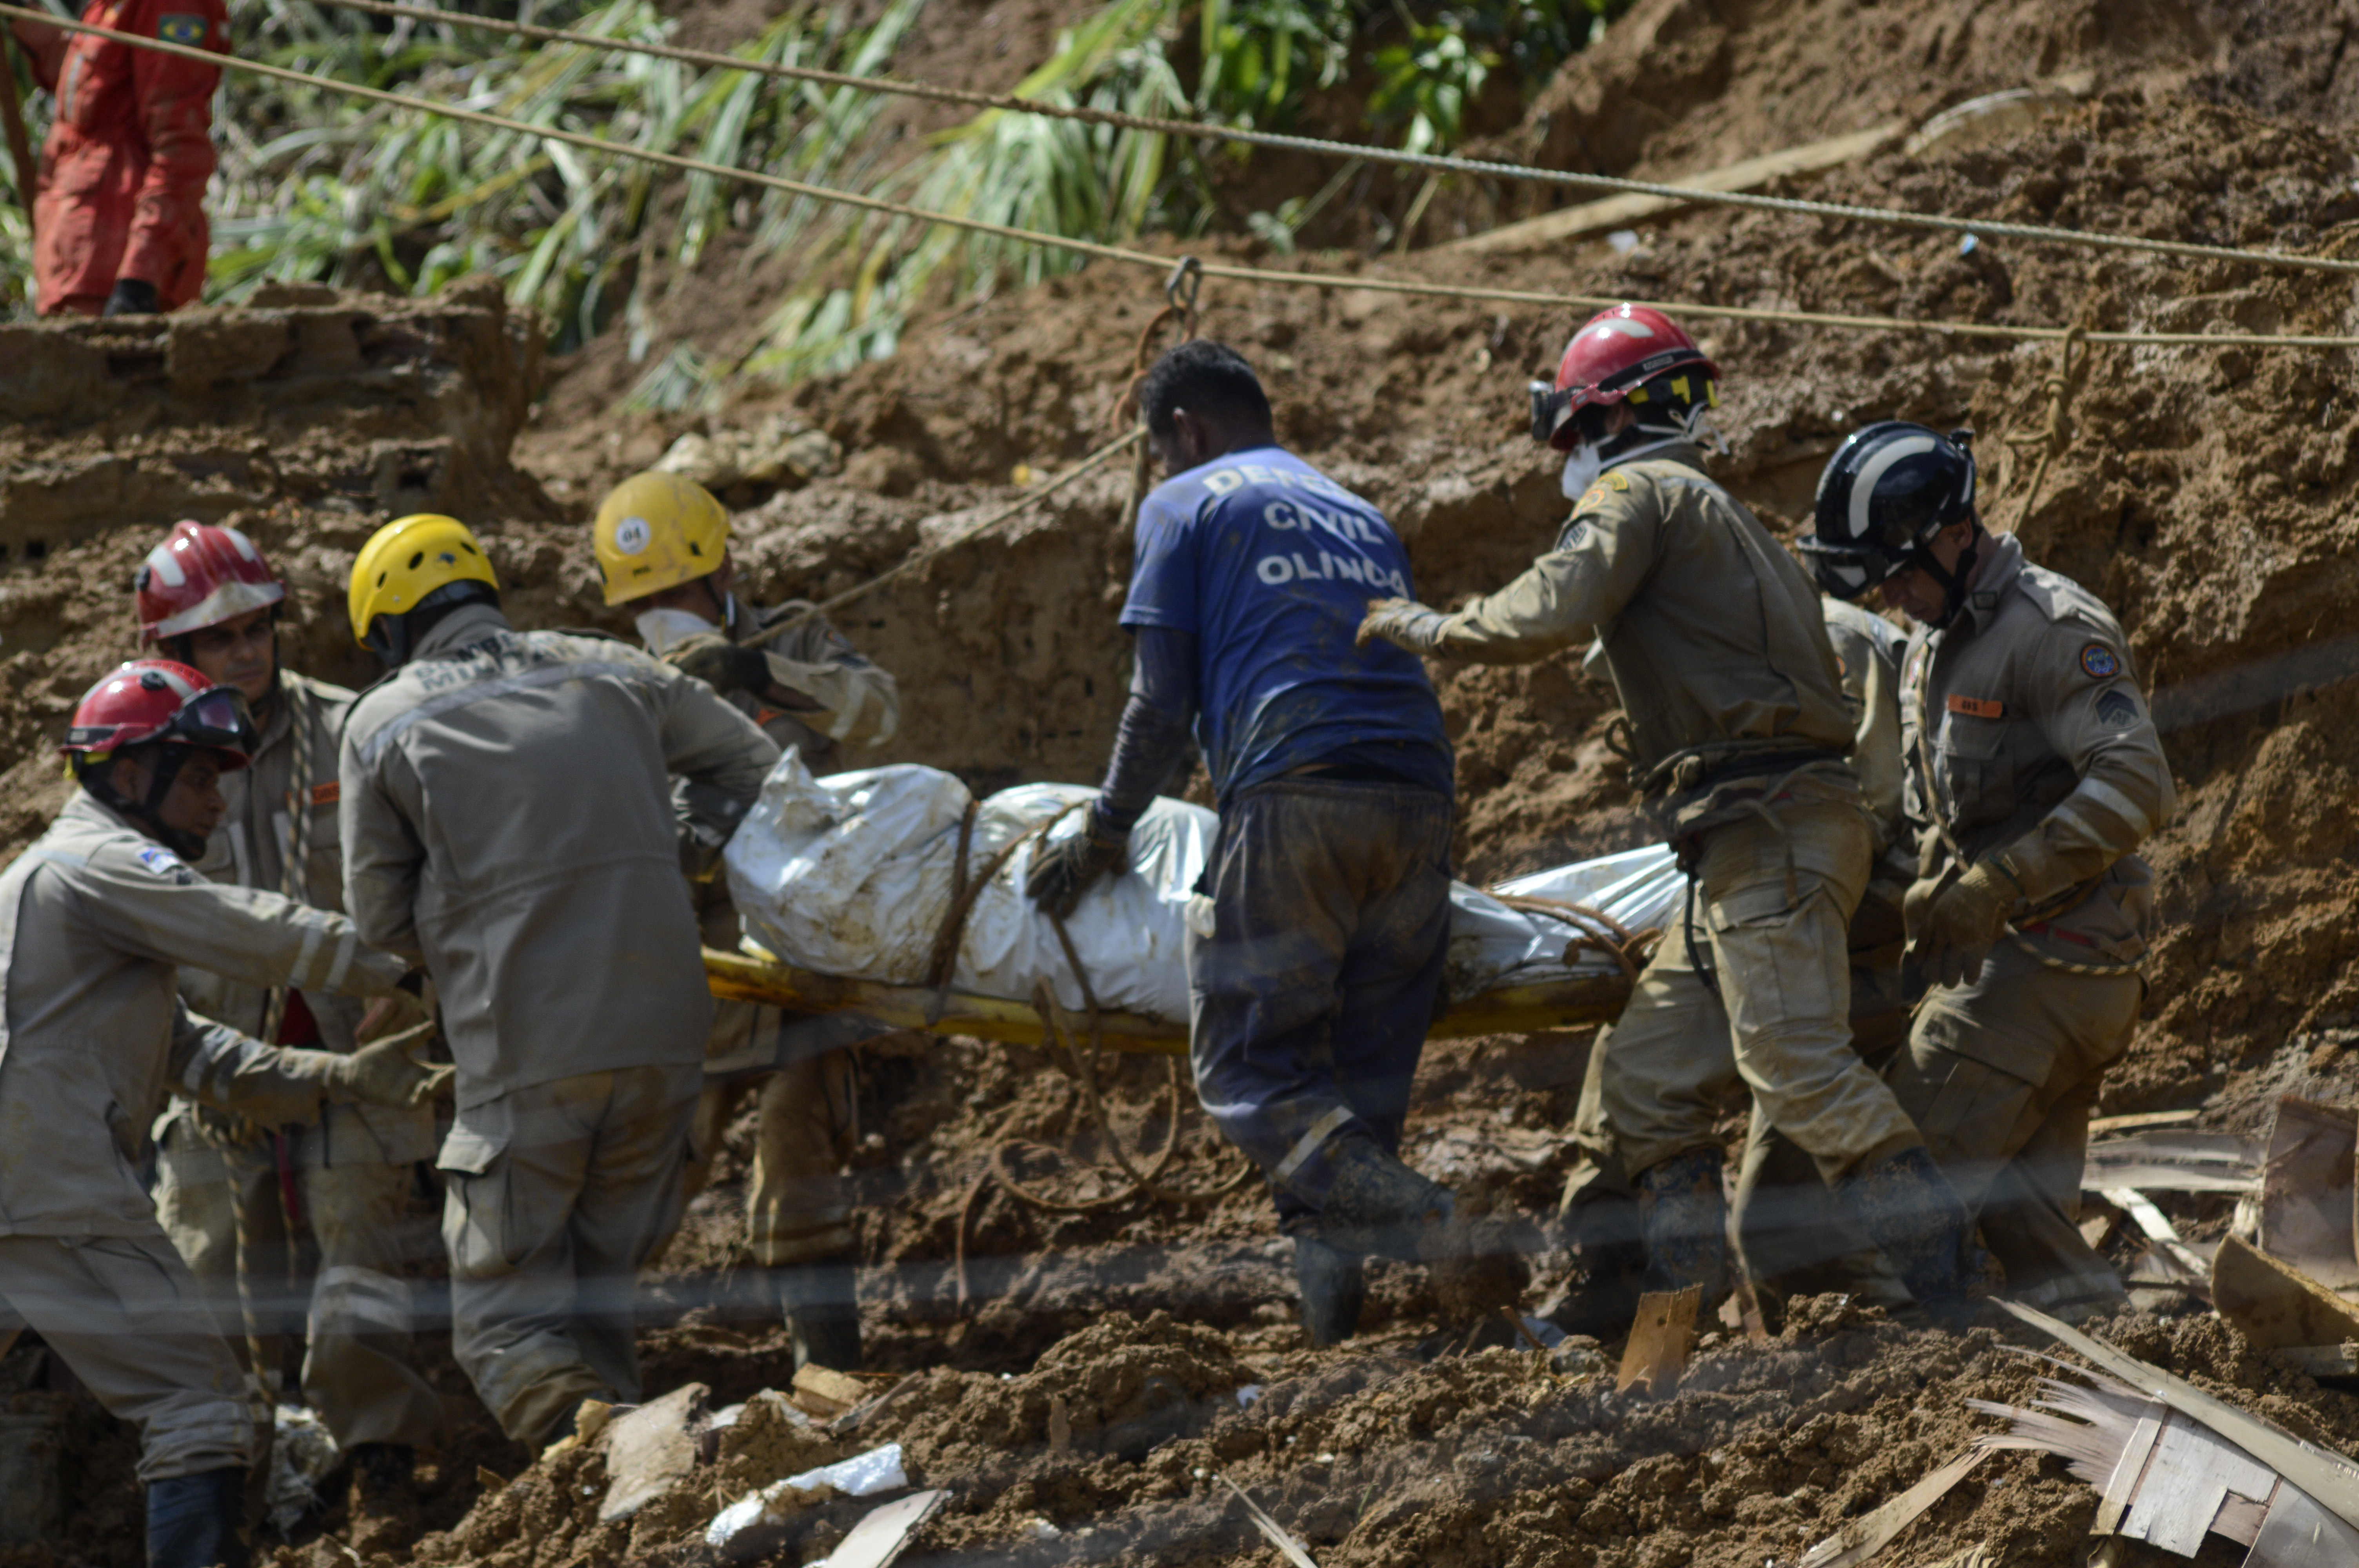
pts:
pixel 649 1448
pixel 827 1394
pixel 882 1532
pixel 491 1480
pixel 2101 1125
pixel 2307 1191
pixel 590 1419
pixel 1866 1536
pixel 1276 1533
pixel 1659 1341
pixel 749 1527
pixel 1248 1396
pixel 2330 1480
pixel 302 1451
pixel 2174 1160
pixel 781 452
pixel 2323 1360
pixel 2177 1257
pixel 2275 1304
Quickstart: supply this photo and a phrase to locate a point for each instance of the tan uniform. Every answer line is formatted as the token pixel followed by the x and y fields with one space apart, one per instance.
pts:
pixel 1717 647
pixel 506 819
pixel 94 920
pixel 2026 736
pixel 798 1211
pixel 219 1184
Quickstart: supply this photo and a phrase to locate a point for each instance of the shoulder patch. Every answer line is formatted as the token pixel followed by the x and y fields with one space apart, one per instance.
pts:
pixel 166 864
pixel 1575 532
pixel 2099 661
pixel 2116 709
pixel 1594 495
pixel 180 27
pixel 1617 480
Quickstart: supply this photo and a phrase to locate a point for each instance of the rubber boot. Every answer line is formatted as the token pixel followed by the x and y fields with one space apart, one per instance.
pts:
pixel 1915 1217
pixel 1603 1234
pixel 383 1474
pixel 823 1314
pixel 197 1522
pixel 1334 1287
pixel 1683 1221
pixel 1377 1204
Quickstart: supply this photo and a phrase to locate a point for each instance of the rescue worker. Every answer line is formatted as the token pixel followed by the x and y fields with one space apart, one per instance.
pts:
pixel 207 598
pixel 1793 1239
pixel 505 821
pixel 94 919
pixel 118 212
pixel 1312 984
pixel 662 545
pixel 1737 729
pixel 2036 771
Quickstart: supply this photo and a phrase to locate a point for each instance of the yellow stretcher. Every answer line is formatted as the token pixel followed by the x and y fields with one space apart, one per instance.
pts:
pixel 1508 1010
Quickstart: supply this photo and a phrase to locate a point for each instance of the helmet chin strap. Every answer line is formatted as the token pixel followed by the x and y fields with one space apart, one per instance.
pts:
pixel 1689 426
pixel 1954 582
pixel 149 813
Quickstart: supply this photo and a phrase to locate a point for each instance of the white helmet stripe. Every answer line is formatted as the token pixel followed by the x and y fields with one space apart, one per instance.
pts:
pixel 160 560
pixel 244 545
pixel 1863 488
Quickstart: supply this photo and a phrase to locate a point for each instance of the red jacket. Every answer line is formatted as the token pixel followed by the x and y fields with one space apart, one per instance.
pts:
pixel 122 177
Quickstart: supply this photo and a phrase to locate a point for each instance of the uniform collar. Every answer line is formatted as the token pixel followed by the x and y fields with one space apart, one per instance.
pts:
pixel 468 623
pixel 1686 454
pixel 2002 565
pixel 86 807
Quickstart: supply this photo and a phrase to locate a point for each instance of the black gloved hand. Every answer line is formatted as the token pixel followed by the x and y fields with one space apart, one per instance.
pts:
pixel 133 296
pixel 724 666
pixel 1065 868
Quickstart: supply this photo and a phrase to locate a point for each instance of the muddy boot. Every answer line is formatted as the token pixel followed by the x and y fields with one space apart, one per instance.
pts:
pixel 197 1522
pixel 1334 1286
pixel 1377 1205
pixel 1602 1234
pixel 383 1477
pixel 1912 1213
pixel 1683 1220
pixel 823 1314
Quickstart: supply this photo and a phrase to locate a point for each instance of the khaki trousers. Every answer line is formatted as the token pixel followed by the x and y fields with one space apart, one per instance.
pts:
pixel 343 1285
pixel 559 1194
pixel 799 1208
pixel 133 1324
pixel 2002 1075
pixel 1770 907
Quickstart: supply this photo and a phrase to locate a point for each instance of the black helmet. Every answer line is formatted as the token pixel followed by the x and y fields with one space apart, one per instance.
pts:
pixel 1886 493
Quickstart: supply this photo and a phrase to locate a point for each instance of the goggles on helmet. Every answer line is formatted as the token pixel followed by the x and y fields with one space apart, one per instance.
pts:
pixel 1847 571
pixel 217 719
pixel 1551 406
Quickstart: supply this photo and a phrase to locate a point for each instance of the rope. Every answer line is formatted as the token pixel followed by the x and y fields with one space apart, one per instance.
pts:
pixel 2054 439
pixel 1596 930
pixel 1435 162
pixel 1339 281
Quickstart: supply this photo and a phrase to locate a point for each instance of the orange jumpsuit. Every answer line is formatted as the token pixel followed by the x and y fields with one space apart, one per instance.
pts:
pixel 122 177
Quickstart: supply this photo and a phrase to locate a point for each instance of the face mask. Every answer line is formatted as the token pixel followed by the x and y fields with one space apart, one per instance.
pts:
pixel 661 630
pixel 1581 470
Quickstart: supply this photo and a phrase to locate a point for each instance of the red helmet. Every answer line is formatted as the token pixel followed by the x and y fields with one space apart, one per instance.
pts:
pixel 159 701
pixel 1616 353
pixel 202 575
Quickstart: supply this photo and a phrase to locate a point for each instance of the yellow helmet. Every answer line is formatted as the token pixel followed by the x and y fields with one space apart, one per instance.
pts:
pixel 408 559
pixel 657 530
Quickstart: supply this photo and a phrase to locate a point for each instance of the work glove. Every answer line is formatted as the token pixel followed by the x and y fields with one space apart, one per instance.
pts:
pixel 1953 929
pixel 1064 868
pixel 724 666
pixel 133 296
pixel 385 1073
pixel 1402 622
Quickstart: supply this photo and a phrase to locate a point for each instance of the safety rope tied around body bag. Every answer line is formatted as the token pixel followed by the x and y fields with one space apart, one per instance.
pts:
pixel 1594 930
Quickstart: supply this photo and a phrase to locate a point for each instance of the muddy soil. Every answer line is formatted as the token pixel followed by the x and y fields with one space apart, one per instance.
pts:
pixel 1081 1398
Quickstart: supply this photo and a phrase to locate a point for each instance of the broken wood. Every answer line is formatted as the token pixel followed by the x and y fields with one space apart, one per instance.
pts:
pixel 1660 1338
pixel 881 1533
pixel 1864 1537
pixel 2330 1479
pixel 2101 1125
pixel 2174 1160
pixel 2179 1258
pixel 1277 1534
pixel 2275 1304
pixel 1624 210
pixel 2307 1191
pixel 824 1393
pixel 1503 1010
pixel 649 1448
pixel 2323 1360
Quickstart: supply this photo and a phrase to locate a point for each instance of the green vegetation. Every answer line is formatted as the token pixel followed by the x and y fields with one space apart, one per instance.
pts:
pixel 317 186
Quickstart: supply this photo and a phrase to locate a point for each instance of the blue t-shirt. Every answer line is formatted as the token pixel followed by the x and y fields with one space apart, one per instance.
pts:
pixel 1270 565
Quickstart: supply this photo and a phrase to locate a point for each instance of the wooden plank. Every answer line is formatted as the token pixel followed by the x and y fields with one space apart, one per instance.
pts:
pixel 1660 1337
pixel 1624 210
pixel 2306 1193
pixel 1864 1537
pixel 2275 1304
pixel 1509 1009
